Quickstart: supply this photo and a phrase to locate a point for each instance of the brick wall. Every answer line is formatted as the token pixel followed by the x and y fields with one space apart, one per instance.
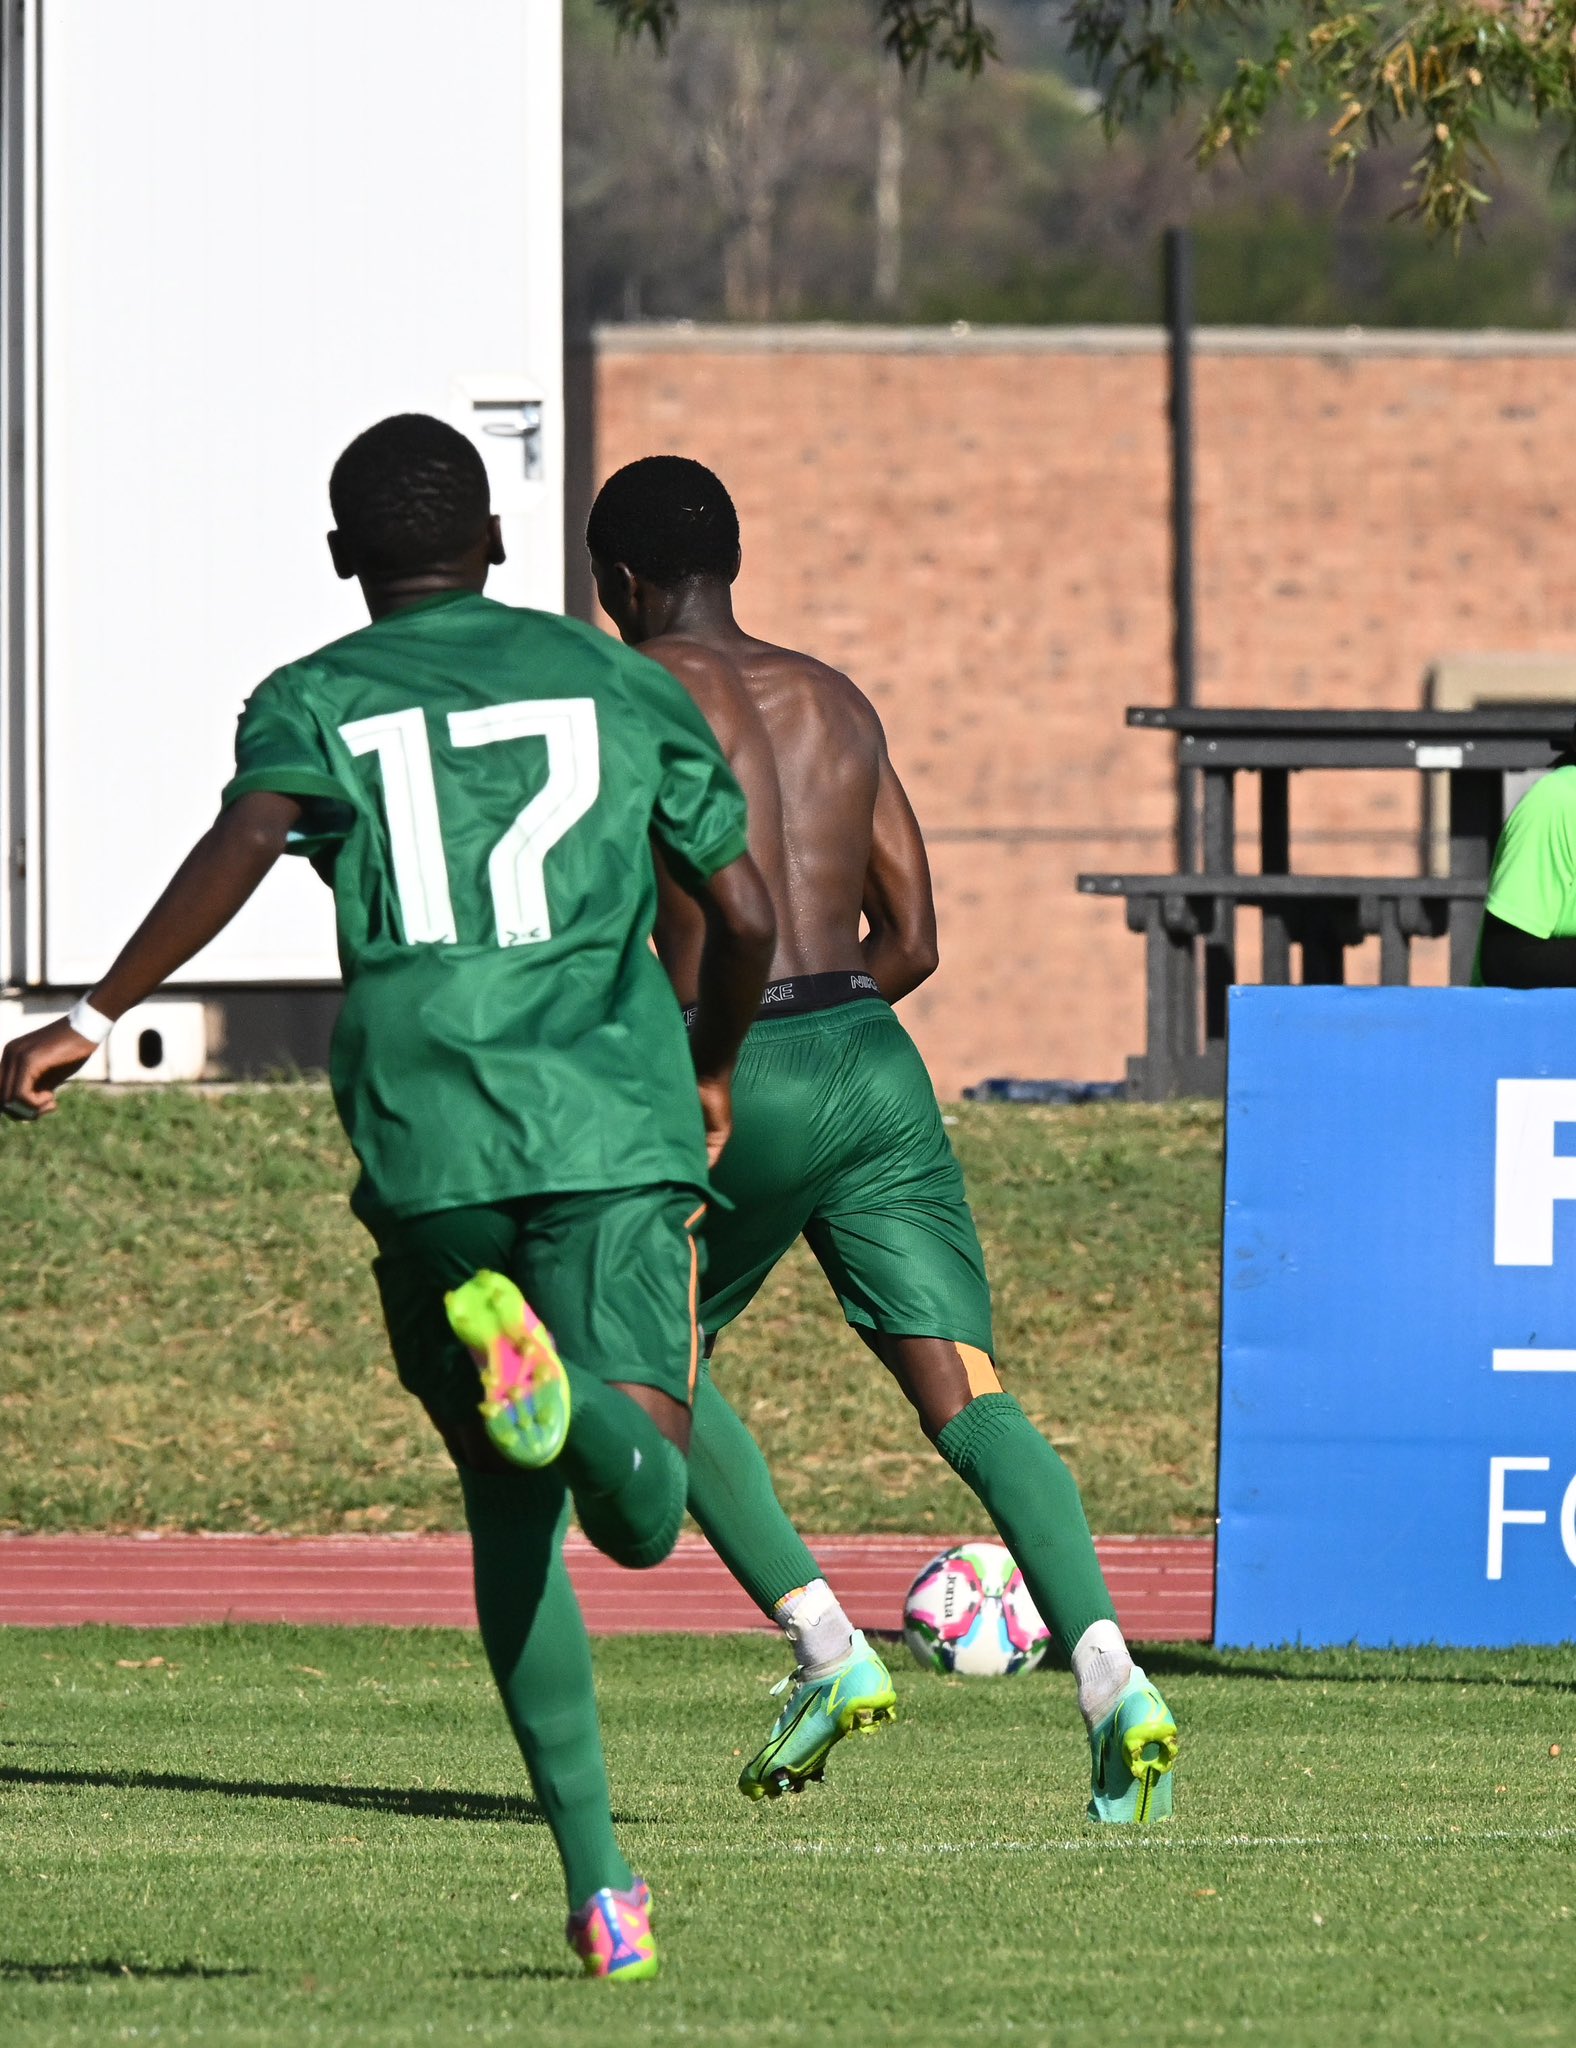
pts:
pixel 975 527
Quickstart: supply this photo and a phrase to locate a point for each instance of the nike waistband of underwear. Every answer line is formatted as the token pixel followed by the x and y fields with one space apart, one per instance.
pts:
pixel 800 993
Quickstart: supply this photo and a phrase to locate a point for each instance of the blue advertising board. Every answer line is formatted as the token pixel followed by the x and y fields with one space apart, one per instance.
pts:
pixel 1398 1318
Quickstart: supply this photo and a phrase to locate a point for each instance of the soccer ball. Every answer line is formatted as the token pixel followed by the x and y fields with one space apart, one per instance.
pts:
pixel 970 1612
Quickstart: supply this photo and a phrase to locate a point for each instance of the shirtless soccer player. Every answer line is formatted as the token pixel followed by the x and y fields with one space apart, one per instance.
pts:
pixel 482 786
pixel 837 1135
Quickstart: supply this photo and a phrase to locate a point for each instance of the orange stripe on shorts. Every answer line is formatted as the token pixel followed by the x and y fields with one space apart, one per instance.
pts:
pixel 694 1297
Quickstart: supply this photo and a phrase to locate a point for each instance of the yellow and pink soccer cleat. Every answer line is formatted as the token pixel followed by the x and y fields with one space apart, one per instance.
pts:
pixel 611 1933
pixel 525 1390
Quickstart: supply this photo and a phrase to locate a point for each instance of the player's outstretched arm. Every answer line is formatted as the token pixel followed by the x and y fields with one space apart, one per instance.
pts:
pixel 899 948
pixel 207 889
pixel 741 931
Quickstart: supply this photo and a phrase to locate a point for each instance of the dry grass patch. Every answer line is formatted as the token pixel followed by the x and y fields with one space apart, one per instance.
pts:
pixel 190 1338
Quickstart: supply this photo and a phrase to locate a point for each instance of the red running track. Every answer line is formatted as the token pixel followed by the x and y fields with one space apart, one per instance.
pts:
pixel 1163 1586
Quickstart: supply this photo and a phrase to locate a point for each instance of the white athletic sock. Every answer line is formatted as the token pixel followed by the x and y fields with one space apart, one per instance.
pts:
pixel 1102 1666
pixel 813 1621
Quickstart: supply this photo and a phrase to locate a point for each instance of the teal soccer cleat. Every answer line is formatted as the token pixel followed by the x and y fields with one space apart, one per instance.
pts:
pixel 1134 1751
pixel 855 1699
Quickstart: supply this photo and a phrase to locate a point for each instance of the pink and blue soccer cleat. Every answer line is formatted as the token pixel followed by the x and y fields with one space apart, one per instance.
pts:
pixel 525 1390
pixel 611 1933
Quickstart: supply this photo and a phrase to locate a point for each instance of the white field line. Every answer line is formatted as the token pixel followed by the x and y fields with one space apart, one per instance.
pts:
pixel 1149 1843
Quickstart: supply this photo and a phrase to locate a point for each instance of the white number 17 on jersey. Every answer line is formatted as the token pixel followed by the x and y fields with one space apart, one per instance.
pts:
pixel 515 868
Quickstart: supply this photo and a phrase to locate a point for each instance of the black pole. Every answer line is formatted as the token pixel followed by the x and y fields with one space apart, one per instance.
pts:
pixel 1178 273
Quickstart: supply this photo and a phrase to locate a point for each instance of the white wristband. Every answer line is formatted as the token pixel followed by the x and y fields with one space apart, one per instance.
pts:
pixel 89 1023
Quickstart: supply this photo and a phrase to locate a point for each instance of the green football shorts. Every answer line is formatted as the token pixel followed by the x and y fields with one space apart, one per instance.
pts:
pixel 837 1135
pixel 614 1275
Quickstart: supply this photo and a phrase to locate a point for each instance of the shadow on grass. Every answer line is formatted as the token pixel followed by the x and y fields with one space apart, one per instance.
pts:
pixel 536 1972
pixel 411 1800
pixel 1338 1667
pixel 13 1971
pixel 1319 1667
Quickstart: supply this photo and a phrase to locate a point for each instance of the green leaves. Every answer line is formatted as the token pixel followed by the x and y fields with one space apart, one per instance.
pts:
pixel 946 32
pixel 917 32
pixel 637 18
pixel 1438 75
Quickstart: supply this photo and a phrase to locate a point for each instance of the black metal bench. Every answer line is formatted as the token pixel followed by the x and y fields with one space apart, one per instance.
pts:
pixel 1473 749
pixel 1322 915
pixel 1190 919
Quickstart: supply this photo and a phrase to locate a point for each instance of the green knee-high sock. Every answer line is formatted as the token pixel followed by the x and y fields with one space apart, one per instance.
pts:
pixel 732 1498
pixel 536 1644
pixel 1033 1499
pixel 627 1479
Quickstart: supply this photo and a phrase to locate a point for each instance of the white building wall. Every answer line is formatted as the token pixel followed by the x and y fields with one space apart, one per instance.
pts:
pixel 260 227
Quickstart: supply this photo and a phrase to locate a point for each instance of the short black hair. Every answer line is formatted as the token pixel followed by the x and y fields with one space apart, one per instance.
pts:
pixel 666 518
pixel 409 493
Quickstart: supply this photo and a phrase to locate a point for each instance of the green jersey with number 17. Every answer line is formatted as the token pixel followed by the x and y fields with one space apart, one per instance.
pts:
pixel 482 784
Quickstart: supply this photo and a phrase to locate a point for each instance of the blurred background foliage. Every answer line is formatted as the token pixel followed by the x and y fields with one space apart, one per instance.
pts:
pixel 771 165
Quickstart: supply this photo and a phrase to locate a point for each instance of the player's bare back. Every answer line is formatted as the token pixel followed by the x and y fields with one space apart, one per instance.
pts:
pixel 807 747
pixel 807 750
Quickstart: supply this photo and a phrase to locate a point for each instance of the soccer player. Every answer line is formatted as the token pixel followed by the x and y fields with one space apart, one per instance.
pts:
pixel 482 786
pixel 1528 939
pixel 838 1136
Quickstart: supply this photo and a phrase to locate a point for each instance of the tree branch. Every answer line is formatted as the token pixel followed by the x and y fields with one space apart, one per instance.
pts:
pixel 916 32
pixel 1437 74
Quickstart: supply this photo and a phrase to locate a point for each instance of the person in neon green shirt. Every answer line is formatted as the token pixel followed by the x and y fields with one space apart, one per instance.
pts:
pixel 1528 939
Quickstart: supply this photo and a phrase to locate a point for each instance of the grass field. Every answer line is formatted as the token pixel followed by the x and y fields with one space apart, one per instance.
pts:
pixel 189 1337
pixel 275 1835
